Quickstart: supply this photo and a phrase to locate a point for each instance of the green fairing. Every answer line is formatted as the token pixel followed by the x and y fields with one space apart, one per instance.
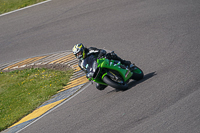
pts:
pixel 105 63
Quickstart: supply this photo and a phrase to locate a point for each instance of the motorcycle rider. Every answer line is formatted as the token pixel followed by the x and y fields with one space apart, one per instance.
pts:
pixel 81 52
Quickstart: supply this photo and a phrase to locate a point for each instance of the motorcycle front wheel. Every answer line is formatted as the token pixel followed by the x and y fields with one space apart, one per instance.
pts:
pixel 114 84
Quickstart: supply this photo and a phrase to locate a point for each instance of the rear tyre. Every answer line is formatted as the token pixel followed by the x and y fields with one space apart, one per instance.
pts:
pixel 114 84
pixel 137 74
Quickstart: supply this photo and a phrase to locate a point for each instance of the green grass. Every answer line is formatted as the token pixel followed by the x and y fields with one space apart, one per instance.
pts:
pixel 10 5
pixel 22 91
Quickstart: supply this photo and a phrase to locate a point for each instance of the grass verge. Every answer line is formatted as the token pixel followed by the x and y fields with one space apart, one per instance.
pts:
pixel 22 91
pixel 10 5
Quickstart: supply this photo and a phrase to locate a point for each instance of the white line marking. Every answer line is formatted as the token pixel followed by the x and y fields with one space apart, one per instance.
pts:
pixel 24 8
pixel 55 107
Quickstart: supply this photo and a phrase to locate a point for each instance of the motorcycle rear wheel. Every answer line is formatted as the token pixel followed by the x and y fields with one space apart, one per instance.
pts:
pixel 114 84
pixel 137 74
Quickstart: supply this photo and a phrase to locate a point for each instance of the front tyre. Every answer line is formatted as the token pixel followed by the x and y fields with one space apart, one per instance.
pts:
pixel 100 87
pixel 114 84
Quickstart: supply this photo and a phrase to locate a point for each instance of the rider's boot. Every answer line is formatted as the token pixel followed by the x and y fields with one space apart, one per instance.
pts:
pixel 131 67
pixel 128 64
pixel 114 56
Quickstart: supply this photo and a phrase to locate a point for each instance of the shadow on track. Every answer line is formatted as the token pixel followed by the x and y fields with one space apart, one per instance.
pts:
pixel 146 77
pixel 134 83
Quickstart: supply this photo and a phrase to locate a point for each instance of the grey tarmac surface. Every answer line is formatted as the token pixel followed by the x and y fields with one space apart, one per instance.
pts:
pixel 161 37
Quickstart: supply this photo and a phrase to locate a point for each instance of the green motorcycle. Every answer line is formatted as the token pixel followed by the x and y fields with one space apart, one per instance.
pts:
pixel 110 72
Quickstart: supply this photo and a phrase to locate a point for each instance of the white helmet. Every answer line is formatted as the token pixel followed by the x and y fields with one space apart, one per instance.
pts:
pixel 79 51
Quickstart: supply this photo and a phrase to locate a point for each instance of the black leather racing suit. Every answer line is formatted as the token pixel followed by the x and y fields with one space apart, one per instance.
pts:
pixel 98 53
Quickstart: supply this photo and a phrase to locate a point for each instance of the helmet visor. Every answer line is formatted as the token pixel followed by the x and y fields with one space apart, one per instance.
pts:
pixel 79 54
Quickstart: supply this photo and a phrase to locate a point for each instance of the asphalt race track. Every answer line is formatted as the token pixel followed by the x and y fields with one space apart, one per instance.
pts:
pixel 162 37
